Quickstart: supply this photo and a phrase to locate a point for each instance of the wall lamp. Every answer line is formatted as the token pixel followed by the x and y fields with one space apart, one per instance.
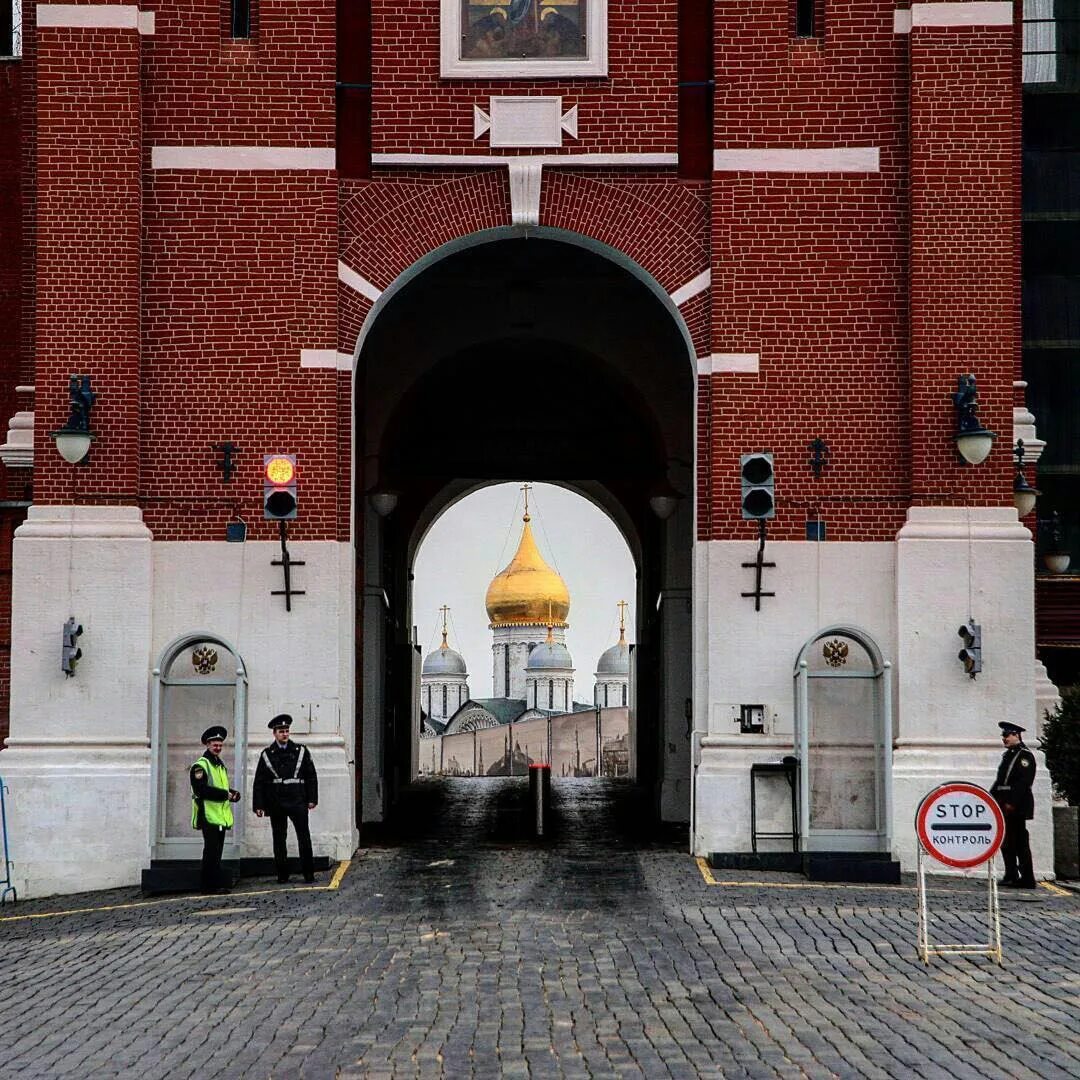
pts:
pixel 1056 556
pixel 1024 495
pixel 383 502
pixel 74 438
pixel 973 441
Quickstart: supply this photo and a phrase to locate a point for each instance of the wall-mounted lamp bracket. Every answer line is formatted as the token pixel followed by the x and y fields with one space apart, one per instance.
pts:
pixel 227 462
pixel 819 457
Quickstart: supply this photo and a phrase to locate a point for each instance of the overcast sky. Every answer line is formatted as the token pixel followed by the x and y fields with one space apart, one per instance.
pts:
pixel 477 537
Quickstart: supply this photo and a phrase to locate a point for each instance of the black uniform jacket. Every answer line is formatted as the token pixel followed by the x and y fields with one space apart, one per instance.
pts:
pixel 1014 779
pixel 274 788
pixel 201 787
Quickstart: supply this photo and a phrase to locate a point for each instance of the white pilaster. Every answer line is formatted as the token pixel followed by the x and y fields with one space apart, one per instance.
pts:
pixel 78 758
pixel 952 563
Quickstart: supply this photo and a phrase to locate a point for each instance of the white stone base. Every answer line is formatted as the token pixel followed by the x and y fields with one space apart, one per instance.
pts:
pixel 722 822
pixel 78 815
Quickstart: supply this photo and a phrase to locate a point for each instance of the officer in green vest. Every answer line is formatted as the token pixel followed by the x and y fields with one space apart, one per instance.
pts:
pixel 211 809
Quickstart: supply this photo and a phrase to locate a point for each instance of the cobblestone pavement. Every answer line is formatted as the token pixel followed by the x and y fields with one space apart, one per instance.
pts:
pixel 458 951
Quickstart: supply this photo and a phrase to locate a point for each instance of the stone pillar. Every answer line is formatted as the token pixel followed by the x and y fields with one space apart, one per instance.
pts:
pixel 962 552
pixel 77 761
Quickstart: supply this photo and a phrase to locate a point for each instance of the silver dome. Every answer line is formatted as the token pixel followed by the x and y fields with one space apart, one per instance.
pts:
pixel 614 661
pixel 444 661
pixel 549 655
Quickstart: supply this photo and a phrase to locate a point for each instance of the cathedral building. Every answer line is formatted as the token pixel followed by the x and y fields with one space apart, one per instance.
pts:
pixel 528 604
pixel 280 283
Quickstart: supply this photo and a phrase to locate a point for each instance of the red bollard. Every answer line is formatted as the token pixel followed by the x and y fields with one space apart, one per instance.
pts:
pixel 539 796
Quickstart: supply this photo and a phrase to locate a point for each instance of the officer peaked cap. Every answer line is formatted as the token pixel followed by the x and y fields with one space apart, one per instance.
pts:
pixel 281 720
pixel 1010 729
pixel 214 733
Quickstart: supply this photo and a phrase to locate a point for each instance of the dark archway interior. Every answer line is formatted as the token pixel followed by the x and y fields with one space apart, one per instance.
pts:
pixel 522 358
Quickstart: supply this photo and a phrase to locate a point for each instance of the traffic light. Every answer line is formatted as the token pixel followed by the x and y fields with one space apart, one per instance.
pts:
pixel 279 487
pixel 70 653
pixel 971 654
pixel 758 483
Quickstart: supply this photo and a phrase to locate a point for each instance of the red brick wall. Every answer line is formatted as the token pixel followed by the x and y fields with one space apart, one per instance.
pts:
pixel 10 236
pixel 87 298
pixel 817 273
pixel 809 272
pixel 240 276
pixel 964 271
pixel 633 110
pixel 275 89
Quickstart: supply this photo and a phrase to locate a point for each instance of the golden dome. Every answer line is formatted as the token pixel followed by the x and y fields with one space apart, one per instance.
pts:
pixel 528 592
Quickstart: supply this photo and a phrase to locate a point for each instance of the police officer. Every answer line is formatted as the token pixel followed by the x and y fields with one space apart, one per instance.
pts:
pixel 1012 789
pixel 211 809
pixel 286 788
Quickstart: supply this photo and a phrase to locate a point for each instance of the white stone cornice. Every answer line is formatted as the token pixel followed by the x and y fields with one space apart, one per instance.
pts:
pixel 692 288
pixel 839 159
pixel 243 158
pixel 88 16
pixel 18 451
pixel 963 523
pixel 732 363
pixel 568 160
pixel 348 276
pixel 902 21
pixel 83 522
pixel 971 13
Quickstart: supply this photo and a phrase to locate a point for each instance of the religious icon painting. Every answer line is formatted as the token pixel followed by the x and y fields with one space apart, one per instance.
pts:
pixel 524 38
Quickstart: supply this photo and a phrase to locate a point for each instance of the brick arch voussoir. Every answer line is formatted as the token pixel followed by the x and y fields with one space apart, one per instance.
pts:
pixel 659 223
pixel 388 225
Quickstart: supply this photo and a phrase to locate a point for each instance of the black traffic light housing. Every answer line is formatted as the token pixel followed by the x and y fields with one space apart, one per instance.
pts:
pixel 758 486
pixel 70 653
pixel 279 487
pixel 971 654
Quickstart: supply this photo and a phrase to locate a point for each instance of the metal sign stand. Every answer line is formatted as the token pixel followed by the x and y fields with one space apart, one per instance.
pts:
pixel 6 865
pixel 993 919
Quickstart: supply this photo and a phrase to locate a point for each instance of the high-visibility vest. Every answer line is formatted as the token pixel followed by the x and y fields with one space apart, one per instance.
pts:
pixel 214 812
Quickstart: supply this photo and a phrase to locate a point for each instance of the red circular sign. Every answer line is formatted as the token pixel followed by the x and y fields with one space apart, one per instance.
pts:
pixel 960 825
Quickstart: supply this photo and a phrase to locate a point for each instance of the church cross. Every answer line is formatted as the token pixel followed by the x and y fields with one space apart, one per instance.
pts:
pixel 526 488
pixel 445 611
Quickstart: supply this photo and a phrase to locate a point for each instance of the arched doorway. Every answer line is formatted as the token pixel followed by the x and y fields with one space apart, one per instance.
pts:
pixel 200 680
pixel 843 739
pixel 511 354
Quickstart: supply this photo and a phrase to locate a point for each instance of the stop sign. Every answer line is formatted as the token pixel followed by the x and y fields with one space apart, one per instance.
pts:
pixel 960 825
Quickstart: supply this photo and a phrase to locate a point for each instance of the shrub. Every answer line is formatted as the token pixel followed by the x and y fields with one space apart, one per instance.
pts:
pixel 1060 742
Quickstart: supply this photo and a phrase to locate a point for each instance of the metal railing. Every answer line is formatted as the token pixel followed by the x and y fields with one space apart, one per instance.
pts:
pixel 6 864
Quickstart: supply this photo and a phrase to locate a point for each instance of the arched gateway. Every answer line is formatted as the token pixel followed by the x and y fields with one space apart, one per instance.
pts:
pixel 523 353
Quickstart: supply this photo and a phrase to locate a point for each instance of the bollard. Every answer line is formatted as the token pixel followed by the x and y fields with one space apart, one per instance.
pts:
pixel 539 796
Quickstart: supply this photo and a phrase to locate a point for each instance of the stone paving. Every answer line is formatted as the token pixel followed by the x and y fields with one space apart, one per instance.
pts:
pixel 458 951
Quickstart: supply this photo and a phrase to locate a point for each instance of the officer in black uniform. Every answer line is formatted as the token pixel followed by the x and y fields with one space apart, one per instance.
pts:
pixel 1012 789
pixel 211 813
pixel 286 788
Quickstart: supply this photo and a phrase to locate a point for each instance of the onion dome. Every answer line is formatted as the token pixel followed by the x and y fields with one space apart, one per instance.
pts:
pixel 616 660
pixel 528 592
pixel 552 655
pixel 444 661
